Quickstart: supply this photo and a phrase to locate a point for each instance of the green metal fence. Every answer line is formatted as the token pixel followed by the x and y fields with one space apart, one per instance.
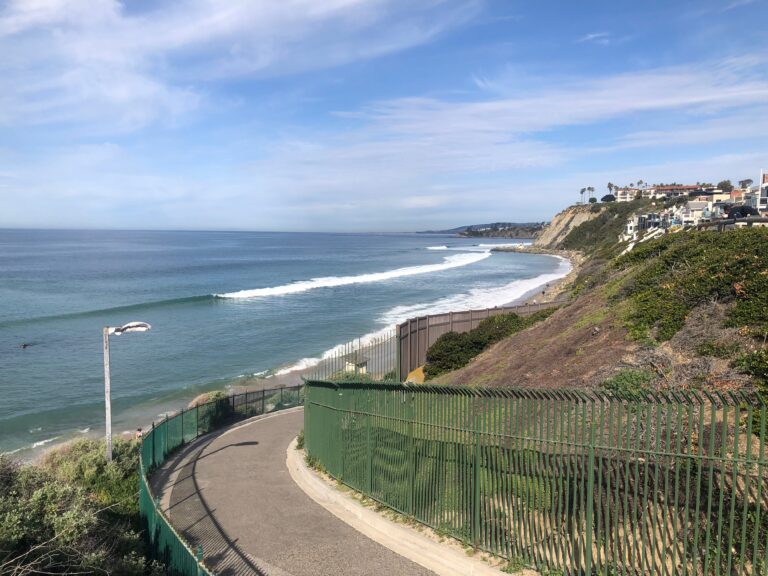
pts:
pixel 570 482
pixel 181 557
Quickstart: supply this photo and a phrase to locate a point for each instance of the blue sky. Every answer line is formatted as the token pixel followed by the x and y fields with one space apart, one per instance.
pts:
pixel 357 115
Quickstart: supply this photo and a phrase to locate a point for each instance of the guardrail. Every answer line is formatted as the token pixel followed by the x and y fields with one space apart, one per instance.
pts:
pixel 184 558
pixel 416 335
pixel 570 482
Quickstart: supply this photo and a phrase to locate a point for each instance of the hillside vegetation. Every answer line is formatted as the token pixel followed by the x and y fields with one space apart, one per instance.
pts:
pixel 686 311
pixel 72 513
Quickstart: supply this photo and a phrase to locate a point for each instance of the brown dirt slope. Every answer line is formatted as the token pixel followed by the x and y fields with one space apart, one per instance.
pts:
pixel 578 346
pixel 585 343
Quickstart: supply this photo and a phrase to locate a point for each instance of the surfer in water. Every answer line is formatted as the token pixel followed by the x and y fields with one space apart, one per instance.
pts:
pixel 25 345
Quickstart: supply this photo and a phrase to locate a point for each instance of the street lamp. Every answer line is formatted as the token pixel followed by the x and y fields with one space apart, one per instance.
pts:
pixel 117 331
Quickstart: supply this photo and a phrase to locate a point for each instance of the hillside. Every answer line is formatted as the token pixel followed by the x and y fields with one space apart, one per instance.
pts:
pixel 495 230
pixel 688 311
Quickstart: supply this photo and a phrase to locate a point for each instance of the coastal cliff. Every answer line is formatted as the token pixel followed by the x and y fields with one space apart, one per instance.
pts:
pixel 563 223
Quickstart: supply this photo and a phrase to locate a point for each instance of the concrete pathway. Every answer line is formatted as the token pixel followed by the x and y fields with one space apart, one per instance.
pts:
pixel 232 493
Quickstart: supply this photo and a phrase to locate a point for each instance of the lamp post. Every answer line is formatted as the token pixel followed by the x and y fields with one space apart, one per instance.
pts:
pixel 117 331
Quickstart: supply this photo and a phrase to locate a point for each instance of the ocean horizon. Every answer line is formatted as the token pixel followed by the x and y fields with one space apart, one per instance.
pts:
pixel 224 306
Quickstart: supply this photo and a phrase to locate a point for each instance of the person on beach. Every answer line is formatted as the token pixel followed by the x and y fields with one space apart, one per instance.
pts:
pixel 138 434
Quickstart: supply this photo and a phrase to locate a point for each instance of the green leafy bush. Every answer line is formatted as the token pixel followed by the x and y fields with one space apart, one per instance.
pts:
pixel 718 349
pixel 453 350
pixel 629 381
pixel 112 485
pixel 676 273
pixel 73 513
pixel 755 364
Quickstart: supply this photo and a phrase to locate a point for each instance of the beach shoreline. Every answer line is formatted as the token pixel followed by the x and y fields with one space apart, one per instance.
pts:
pixel 554 289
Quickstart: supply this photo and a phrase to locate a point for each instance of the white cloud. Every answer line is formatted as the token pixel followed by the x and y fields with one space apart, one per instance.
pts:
pixel 95 61
pixel 596 38
pixel 411 149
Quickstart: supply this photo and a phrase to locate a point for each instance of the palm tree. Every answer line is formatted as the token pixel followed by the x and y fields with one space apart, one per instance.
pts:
pixel 640 183
pixel 582 194
pixel 745 183
pixel 610 187
pixel 591 191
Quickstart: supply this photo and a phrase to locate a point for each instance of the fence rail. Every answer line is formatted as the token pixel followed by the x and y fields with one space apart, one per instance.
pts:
pixel 184 558
pixel 572 482
pixel 416 335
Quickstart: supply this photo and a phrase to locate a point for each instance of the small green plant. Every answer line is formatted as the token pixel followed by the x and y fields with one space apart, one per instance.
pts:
pixel 629 381
pixel 717 349
pixel 514 565
pixel 300 440
pixel 314 463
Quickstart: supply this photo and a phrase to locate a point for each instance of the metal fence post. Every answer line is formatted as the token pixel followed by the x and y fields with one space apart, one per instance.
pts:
pixel 263 401
pixel 411 456
pixel 369 448
pixel 200 570
pixel 476 489
pixel 152 463
pixel 590 490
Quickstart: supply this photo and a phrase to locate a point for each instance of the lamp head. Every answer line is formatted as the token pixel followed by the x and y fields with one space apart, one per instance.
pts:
pixel 130 327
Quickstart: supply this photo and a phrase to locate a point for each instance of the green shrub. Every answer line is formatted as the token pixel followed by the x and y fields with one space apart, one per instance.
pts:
pixel 452 351
pixel 674 274
pixel 755 364
pixel 717 349
pixel 112 484
pixel 629 381
pixel 73 513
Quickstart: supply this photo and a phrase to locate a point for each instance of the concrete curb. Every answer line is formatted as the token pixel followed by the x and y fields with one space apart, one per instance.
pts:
pixel 442 560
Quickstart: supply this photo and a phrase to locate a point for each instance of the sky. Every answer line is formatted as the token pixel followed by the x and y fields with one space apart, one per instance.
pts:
pixel 367 115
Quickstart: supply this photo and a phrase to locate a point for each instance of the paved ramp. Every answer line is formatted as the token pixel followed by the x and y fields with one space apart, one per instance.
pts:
pixel 232 493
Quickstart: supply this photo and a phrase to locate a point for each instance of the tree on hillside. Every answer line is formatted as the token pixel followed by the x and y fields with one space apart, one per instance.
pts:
pixel 725 185
pixel 610 187
pixel 745 183
pixel 591 191
pixel 592 200
pixel 640 183
pixel 608 198
pixel 582 191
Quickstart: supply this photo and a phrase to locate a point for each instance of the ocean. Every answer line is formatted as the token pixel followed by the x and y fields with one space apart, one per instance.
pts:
pixel 224 307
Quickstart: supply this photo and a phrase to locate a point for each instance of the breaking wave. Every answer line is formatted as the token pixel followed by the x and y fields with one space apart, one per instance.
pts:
pixel 453 261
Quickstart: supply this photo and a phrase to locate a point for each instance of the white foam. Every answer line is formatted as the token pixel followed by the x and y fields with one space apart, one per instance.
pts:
pixel 356 344
pixel 85 431
pixel 44 442
pixel 437 247
pixel 475 298
pixel 453 261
